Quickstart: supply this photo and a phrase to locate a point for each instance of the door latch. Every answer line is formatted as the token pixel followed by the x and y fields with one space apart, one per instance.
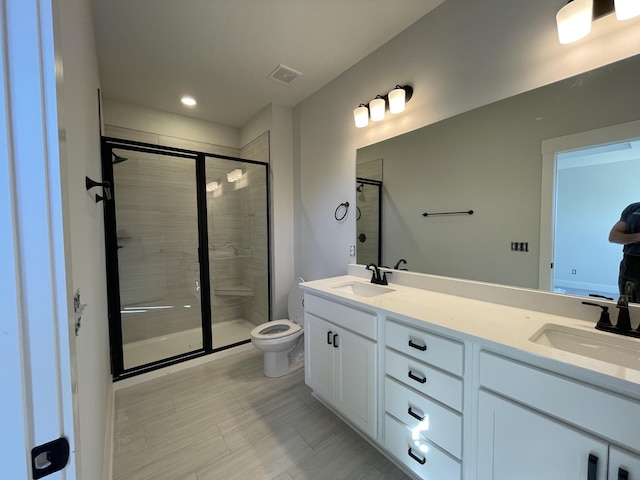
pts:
pixel 49 457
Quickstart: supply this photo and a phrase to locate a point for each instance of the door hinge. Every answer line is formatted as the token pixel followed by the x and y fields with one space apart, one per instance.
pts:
pixel 49 457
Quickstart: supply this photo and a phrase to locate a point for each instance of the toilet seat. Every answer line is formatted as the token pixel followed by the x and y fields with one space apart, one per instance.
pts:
pixel 275 329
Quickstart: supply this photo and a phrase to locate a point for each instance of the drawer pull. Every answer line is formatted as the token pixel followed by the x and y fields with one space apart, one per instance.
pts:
pixel 415 415
pixel 329 333
pixel 592 467
pixel 422 348
pixel 623 474
pixel 417 379
pixel 335 343
pixel 421 461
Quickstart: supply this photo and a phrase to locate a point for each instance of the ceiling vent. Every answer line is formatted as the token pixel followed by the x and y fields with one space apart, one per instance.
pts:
pixel 284 74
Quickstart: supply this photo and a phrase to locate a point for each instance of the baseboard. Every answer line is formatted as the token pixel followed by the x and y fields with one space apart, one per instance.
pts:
pixel 107 466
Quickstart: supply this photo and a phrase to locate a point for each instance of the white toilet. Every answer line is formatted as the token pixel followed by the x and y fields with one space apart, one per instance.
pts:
pixel 282 340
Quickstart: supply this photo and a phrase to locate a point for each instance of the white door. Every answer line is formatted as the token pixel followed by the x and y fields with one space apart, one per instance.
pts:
pixel 355 380
pixel 35 393
pixel 318 351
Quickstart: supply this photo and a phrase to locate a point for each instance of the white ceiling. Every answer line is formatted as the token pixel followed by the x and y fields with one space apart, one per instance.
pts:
pixel 152 52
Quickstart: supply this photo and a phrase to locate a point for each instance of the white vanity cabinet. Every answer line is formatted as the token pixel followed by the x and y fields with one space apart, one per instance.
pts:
pixel 423 395
pixel 535 424
pixel 341 359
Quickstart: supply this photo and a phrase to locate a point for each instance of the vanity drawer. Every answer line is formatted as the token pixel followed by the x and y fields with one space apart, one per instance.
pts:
pixel 426 347
pixel 420 414
pixel 439 385
pixel 418 454
pixel 359 321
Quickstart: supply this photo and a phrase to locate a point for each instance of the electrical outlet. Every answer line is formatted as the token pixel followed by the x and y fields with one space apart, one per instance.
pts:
pixel 519 246
pixel 352 250
pixel 573 271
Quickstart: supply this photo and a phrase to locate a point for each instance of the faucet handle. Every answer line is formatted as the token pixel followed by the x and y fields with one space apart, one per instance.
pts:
pixel 384 281
pixel 605 319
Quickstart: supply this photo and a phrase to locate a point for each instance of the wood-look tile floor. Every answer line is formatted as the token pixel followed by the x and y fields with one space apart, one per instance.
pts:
pixel 224 420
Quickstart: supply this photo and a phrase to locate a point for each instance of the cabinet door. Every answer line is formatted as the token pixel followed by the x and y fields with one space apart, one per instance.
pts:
pixel 355 394
pixel 623 465
pixel 517 443
pixel 319 353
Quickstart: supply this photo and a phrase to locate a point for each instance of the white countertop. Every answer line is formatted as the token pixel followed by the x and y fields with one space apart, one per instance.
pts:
pixel 503 329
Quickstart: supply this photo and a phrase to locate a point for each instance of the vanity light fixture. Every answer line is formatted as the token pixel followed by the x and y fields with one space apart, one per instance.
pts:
pixel 626 9
pixel 575 18
pixel 395 101
pixel 361 116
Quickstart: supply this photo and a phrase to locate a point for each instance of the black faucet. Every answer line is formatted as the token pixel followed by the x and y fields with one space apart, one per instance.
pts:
pixel 400 262
pixel 624 322
pixel 375 275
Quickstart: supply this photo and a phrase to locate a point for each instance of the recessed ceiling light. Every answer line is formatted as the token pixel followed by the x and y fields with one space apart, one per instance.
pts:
pixel 188 101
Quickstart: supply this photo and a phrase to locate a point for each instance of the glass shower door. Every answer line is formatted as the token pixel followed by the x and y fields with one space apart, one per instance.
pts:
pixel 238 236
pixel 156 215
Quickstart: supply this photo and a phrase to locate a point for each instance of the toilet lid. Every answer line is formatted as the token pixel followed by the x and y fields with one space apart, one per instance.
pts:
pixel 296 302
pixel 275 329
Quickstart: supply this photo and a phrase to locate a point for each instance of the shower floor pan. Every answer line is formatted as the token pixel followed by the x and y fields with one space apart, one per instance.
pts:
pixel 153 349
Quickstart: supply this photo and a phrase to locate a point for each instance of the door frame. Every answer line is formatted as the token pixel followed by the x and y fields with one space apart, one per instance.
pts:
pixel 550 149
pixel 36 328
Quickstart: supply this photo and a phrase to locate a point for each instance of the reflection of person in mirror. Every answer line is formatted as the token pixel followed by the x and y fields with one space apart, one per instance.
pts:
pixel 627 232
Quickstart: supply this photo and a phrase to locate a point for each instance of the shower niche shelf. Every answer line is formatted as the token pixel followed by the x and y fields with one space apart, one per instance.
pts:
pixel 235 291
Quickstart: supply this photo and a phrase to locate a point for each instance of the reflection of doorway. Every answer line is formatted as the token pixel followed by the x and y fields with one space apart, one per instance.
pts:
pixel 588 179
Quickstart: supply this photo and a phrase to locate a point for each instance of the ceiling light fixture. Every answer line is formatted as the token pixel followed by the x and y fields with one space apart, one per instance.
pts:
pixel 188 101
pixel 395 101
pixel 575 18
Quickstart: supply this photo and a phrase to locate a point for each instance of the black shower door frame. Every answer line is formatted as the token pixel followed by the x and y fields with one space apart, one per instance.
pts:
pixel 108 144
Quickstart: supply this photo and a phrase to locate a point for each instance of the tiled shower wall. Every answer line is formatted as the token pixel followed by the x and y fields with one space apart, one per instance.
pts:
pixel 368 224
pixel 157 226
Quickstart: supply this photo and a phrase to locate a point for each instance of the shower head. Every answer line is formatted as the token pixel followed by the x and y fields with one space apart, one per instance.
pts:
pixel 360 188
pixel 117 158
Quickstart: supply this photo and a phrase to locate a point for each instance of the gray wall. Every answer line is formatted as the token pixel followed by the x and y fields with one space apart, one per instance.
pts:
pixel 461 56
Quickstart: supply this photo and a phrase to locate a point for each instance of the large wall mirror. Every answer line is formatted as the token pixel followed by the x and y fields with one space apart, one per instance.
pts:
pixel 490 160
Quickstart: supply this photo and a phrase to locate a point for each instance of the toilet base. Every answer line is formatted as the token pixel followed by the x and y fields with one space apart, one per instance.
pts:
pixel 278 364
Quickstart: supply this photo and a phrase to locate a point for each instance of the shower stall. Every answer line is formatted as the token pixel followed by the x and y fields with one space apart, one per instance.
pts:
pixel 187 242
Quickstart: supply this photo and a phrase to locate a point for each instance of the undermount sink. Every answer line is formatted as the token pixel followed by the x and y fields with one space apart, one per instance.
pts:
pixel 618 350
pixel 361 289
